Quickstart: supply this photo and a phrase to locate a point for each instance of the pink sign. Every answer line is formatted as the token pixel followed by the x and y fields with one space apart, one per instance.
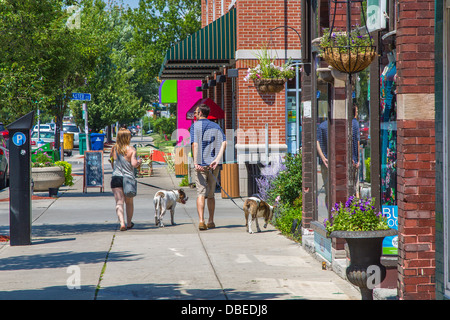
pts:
pixel 187 97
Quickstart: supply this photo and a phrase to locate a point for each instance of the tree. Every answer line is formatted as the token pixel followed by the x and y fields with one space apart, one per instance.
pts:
pixel 31 33
pixel 112 82
pixel 157 26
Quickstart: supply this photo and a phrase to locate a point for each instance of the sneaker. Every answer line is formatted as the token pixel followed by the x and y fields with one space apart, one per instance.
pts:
pixel 211 225
pixel 202 226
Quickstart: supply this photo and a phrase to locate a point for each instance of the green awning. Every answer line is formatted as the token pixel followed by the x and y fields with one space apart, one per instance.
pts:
pixel 203 52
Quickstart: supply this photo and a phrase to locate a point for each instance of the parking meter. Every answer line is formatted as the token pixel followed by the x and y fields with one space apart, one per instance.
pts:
pixel 20 180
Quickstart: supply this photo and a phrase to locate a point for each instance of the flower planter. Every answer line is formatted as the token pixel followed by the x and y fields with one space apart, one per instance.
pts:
pixel 365 252
pixel 45 178
pixel 352 62
pixel 269 85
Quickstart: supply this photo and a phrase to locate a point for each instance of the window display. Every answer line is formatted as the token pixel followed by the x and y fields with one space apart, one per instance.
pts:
pixel 388 132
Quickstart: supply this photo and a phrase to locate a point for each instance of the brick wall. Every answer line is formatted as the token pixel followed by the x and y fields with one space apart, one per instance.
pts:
pixel 340 18
pixel 254 21
pixel 213 9
pixel 255 18
pixel 416 149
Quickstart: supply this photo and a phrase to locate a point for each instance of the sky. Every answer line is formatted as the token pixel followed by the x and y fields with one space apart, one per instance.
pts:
pixel 131 3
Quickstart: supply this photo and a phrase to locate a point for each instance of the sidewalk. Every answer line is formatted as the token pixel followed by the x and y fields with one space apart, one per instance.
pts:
pixel 76 243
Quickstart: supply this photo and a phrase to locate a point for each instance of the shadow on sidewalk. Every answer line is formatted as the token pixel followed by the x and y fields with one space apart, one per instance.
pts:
pixel 161 294
pixel 62 259
pixel 58 230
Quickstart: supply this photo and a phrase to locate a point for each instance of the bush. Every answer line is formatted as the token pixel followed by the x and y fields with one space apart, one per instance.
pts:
pixel 367 164
pixel 281 186
pixel 287 186
pixel 184 182
pixel 285 218
pixel 67 172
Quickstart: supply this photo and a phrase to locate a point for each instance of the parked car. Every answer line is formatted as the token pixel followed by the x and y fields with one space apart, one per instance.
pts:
pixel 4 163
pixel 364 132
pixel 3 131
pixel 72 128
pixel 43 127
pixel 45 136
pixel 133 130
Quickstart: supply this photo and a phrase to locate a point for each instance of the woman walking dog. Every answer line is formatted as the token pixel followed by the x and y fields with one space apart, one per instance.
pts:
pixel 123 162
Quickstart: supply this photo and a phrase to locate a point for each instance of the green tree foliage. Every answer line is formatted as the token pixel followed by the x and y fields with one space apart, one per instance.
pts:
pixel 34 47
pixel 164 125
pixel 112 82
pixel 157 26
pixel 113 53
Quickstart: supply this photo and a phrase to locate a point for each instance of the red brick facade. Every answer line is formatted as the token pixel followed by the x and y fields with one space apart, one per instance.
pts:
pixel 254 21
pixel 416 149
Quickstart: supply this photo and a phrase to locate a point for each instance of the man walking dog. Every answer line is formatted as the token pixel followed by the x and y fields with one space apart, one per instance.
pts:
pixel 208 145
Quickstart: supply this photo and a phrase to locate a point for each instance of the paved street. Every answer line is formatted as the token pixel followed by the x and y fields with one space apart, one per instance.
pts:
pixel 76 243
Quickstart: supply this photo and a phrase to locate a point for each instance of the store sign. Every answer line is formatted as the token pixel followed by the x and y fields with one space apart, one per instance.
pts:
pixel 390 244
pixel 376 15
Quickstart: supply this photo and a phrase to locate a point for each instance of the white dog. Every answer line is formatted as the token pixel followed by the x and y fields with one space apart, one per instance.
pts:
pixel 257 208
pixel 167 200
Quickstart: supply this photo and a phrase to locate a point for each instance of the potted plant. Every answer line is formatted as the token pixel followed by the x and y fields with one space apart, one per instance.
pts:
pixel 268 77
pixel 363 228
pixel 45 174
pixel 347 52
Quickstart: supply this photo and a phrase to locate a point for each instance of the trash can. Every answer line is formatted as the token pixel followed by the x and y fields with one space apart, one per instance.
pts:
pixel 68 141
pixel 82 142
pixel 181 161
pixel 253 173
pixel 97 140
pixel 229 178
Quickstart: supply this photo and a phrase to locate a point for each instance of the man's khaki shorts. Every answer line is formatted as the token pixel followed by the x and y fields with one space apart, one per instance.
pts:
pixel 205 182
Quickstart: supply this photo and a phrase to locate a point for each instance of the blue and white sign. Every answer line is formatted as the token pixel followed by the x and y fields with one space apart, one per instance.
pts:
pixel 81 96
pixel 19 139
pixel 390 244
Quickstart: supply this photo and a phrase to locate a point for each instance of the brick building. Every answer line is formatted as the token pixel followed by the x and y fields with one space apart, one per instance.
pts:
pixel 402 142
pixel 240 29
pixel 403 163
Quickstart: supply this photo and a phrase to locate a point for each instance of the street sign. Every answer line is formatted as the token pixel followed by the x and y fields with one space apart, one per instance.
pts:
pixel 81 96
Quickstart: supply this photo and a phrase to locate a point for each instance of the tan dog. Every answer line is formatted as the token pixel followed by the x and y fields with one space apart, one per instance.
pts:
pixel 257 208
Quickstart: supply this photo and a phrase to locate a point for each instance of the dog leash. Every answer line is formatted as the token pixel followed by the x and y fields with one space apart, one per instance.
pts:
pixel 217 181
pixel 147 184
pixel 150 185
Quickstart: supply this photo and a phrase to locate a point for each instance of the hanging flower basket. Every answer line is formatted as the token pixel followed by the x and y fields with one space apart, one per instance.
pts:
pixel 348 52
pixel 269 85
pixel 349 61
pixel 267 76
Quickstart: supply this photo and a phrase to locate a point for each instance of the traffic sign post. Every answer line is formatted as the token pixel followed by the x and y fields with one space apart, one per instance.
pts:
pixel 84 97
pixel 86 126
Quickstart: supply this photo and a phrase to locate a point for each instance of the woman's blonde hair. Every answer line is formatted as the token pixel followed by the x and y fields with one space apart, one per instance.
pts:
pixel 122 141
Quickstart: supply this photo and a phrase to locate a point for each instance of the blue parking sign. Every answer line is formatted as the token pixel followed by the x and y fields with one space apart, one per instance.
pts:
pixel 19 139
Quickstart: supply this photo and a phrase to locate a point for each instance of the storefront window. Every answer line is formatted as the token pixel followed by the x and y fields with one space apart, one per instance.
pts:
pixel 362 98
pixel 322 145
pixel 293 116
pixel 388 133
